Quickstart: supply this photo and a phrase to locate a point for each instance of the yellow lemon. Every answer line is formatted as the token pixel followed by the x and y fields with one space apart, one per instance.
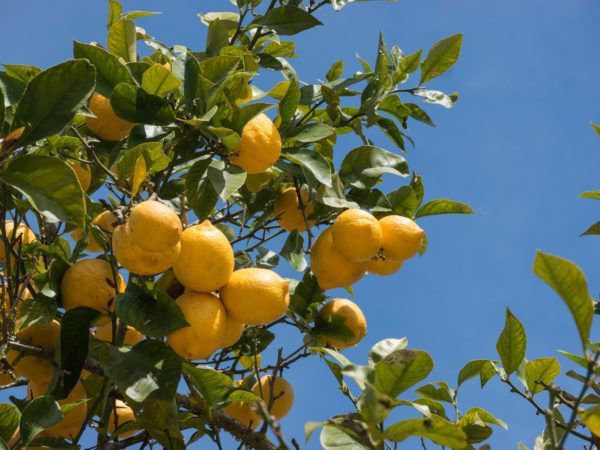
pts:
pixel 207 320
pixel 90 283
pixel 154 226
pixel 104 333
pixel 22 235
pixel 137 260
pixel 121 414
pixel 330 267
pixel 380 266
pixel 34 368
pixel 205 262
pixel 277 394
pixel 357 235
pixel 106 125
pixel 233 332
pixel 260 145
pixel 243 412
pixel 352 317
pixel 83 173
pixel 255 296
pixel 288 212
pixel 402 237
pixel 106 221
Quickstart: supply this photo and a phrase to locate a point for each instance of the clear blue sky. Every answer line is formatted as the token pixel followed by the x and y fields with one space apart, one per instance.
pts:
pixel 517 147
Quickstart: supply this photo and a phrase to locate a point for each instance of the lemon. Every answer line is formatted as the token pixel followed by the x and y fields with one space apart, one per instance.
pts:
pixel 6 378
pixel 357 235
pixel 277 394
pixel 379 266
pixel 83 173
pixel 207 320
pixel 137 260
pixel 330 267
pixel 205 262
pixel 22 235
pixel 255 296
pixel 402 237
pixel 106 125
pixel 104 333
pixel 260 145
pixel 288 212
pixel 154 226
pixel 121 414
pixel 353 319
pixel 106 221
pixel 233 332
pixel 90 283
pixel 33 368
pixel 243 412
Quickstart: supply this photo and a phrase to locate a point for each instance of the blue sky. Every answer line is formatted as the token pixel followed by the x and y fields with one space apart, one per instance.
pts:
pixel 518 147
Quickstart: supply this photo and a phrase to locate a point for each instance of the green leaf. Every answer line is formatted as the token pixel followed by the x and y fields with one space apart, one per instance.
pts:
pixel 153 155
pixel 50 185
pixel 136 105
pixel 293 251
pixel 443 206
pixel 212 384
pixel 114 11
pixel 569 282
pixel 335 71
pixel 290 101
pixel 485 417
pixel 2 109
pixel 374 406
pixel 592 230
pixel 12 88
pixel 441 57
pixel 434 428
pixel 201 195
pixel 400 370
pixel 596 128
pixel 159 81
pixel 152 314
pixel 312 133
pixel 471 370
pixel 286 20
pixel 385 347
pixel 160 419
pixel 225 180
pixel 9 421
pixel 228 137
pixel 122 39
pixel 23 73
pixel 363 166
pixel 488 371
pixel 541 369
pixel 332 438
pixel 312 162
pixel 512 343
pixel 437 391
pixel 52 98
pixel 39 414
pixel 580 360
pixel 592 195
pixel 109 70
pixel 391 130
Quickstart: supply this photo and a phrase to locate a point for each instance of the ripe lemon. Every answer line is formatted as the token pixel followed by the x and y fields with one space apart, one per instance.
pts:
pixel 121 414
pixel 277 394
pixel 357 235
pixel 288 212
pixel 205 262
pixel 104 333
pixel 106 125
pixel 233 332
pixel 154 226
pixel 380 266
pixel 260 145
pixel 402 237
pixel 352 316
pixel 83 173
pixel 90 283
pixel 106 221
pixel 208 321
pixel 33 368
pixel 244 412
pixel 22 235
pixel 137 260
pixel 6 378
pixel 255 296
pixel 330 267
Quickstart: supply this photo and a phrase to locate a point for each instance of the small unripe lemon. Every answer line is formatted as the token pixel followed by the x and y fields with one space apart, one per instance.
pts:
pixel 83 173
pixel 104 333
pixel 244 412
pixel 205 261
pixel 119 415
pixel 22 235
pixel 288 212
pixel 106 125
pixel 90 283
pixel 106 220
pixel 255 296
pixel 357 235
pixel 260 145
pixel 207 320
pixel 277 394
pixel 233 332
pixel 380 266
pixel 353 319
pixel 154 226
pixel 402 237
pixel 33 368
pixel 137 260
pixel 330 267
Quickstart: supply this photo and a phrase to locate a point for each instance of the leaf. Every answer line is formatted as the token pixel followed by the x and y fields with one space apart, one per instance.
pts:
pixel 114 11
pixel 400 370
pixel 153 314
pixel 592 230
pixel 39 414
pixel 290 101
pixel 374 406
pixel 541 369
pixel 286 20
pixel 335 71
pixel 383 348
pixel 442 55
pixel 122 39
pixel 159 81
pixel 160 419
pixel 443 206
pixel 363 166
pixel 9 421
pixel 591 419
pixel 313 162
pixel 470 370
pixel 50 185
pixel 201 194
pixel 52 98
pixel 592 195
pixel 333 438
pixel 139 175
pixel 596 128
pixel 512 343
pixel 152 154
pixel 2 109
pixel 225 180
pixel 439 391
pixel 313 132
pixel 293 251
pixel 437 97
pixel 434 428
pixel 212 384
pixel 569 282
pixel 136 105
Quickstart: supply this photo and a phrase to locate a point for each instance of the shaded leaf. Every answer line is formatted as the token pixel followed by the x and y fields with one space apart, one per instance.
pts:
pixel 9 421
pixel 212 384
pixel 363 166
pixel 286 20
pixel 39 414
pixel 122 39
pixel 136 105
pixel 159 81
pixel 313 162
pixel 434 428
